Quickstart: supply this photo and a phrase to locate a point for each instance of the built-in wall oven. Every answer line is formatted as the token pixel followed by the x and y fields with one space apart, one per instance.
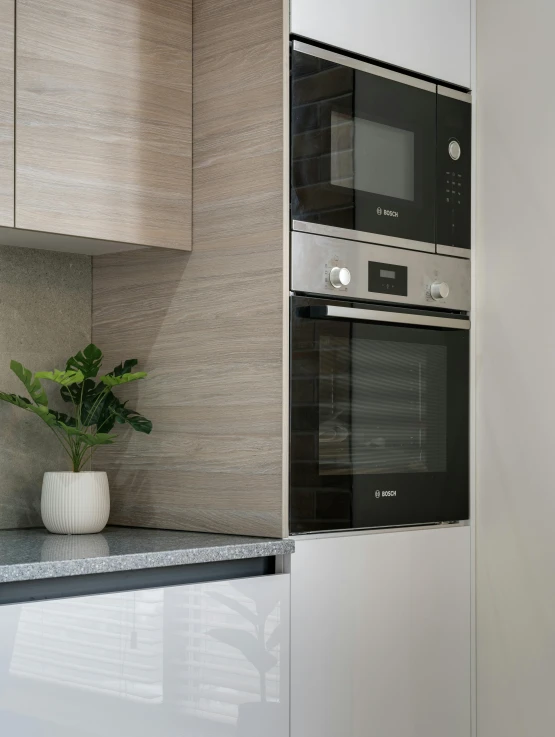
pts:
pixel 379 386
pixel 377 155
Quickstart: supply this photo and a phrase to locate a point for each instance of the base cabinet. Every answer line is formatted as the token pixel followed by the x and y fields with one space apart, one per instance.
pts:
pixel 202 660
pixel 380 635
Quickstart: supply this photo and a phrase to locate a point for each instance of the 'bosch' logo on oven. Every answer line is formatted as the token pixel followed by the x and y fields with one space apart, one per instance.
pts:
pixel 389 492
pixel 388 213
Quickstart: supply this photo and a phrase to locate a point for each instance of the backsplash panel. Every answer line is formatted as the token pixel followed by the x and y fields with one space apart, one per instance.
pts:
pixel 45 316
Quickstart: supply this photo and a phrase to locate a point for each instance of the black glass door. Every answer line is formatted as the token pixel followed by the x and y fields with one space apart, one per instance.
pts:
pixel 379 422
pixel 363 149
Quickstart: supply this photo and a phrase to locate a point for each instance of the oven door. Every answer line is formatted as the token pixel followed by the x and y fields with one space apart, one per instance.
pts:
pixel 379 416
pixel 363 147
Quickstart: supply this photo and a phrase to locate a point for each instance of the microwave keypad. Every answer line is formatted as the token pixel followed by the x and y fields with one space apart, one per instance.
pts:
pixel 453 188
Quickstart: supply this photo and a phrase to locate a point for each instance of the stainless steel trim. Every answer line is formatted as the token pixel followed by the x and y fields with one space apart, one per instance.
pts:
pixel 355 313
pixel 354 531
pixel 455 94
pixel 453 251
pixel 302 226
pixel 313 257
pixel 363 66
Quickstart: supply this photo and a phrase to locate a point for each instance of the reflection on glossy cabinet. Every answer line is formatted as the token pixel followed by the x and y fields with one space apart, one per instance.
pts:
pixel 206 659
pixel 380 635
pixel 7 31
pixel 103 111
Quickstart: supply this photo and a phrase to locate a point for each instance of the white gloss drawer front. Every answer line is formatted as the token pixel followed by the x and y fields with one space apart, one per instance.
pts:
pixel 201 660
pixel 380 634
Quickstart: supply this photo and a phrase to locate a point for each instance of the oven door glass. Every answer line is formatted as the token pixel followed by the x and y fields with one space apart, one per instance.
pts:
pixel 363 151
pixel 379 423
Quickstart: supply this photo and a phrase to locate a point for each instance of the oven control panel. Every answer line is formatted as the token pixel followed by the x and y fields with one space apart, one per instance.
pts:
pixel 353 270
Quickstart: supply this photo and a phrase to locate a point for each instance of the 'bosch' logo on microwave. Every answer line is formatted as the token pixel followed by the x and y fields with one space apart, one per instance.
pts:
pixel 388 213
pixel 389 492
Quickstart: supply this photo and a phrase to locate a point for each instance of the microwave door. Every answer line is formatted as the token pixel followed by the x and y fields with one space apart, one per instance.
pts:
pixel 362 150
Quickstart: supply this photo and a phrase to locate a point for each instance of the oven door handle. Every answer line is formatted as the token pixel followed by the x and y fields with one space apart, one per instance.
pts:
pixel 402 318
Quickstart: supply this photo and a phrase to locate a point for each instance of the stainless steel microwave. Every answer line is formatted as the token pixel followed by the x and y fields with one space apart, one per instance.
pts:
pixel 377 155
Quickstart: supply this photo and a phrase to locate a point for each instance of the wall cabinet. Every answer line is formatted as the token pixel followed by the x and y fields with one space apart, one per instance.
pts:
pixel 380 635
pixel 205 659
pixel 431 37
pixel 103 111
pixel 7 38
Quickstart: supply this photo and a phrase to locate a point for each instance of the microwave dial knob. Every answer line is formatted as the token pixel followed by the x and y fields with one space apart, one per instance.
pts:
pixel 439 290
pixel 340 277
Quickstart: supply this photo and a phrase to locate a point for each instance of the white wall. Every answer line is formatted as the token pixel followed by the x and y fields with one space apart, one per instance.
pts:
pixel 516 369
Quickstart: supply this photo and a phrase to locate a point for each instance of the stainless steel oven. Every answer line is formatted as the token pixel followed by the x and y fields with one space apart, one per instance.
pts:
pixel 379 386
pixel 378 156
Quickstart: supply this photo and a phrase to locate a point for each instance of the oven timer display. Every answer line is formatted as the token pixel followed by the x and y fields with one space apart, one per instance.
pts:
pixel 387 278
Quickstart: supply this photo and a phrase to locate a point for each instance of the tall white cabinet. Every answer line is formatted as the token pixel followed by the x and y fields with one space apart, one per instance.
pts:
pixel 431 37
pixel 380 635
pixel 202 660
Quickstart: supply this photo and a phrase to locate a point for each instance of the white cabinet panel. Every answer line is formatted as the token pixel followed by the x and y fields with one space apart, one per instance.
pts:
pixel 427 36
pixel 203 660
pixel 380 635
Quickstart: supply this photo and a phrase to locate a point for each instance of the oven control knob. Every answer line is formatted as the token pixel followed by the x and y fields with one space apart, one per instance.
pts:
pixel 340 277
pixel 439 290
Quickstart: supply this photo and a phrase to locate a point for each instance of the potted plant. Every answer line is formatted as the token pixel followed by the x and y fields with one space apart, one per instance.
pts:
pixel 78 501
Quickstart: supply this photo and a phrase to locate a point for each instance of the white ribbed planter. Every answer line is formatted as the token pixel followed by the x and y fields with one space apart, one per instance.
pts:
pixel 75 503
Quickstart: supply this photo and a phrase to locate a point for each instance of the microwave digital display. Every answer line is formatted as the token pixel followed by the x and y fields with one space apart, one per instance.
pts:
pixel 387 278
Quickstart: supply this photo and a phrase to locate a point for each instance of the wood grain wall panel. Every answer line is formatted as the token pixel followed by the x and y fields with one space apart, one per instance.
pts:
pixel 209 325
pixel 7 38
pixel 103 145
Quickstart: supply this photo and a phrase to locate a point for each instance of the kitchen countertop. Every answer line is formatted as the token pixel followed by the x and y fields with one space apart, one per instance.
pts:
pixel 29 555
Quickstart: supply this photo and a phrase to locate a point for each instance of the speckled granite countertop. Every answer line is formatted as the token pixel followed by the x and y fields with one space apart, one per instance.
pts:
pixel 27 555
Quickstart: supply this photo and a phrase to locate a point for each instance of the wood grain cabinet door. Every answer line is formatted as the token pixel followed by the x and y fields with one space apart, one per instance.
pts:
pixel 103 111
pixel 7 36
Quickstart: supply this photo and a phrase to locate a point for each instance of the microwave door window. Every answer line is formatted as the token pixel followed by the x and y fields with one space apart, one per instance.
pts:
pixel 371 157
pixel 363 151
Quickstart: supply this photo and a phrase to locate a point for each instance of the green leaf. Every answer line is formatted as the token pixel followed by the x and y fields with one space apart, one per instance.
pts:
pixel 113 410
pixel 51 417
pixel 45 414
pixel 111 380
pixel 124 368
pixel 137 421
pixel 87 389
pixel 16 400
pixel 65 378
pixel 87 361
pixel 99 438
pixel 64 419
pixel 31 383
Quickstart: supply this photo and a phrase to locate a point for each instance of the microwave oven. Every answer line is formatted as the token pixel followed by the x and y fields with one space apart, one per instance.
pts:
pixel 377 155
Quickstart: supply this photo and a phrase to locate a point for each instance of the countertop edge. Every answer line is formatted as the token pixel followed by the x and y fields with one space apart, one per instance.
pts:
pixel 138 561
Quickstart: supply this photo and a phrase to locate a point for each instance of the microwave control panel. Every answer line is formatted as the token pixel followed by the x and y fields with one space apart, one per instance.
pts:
pixel 454 158
pixel 322 265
